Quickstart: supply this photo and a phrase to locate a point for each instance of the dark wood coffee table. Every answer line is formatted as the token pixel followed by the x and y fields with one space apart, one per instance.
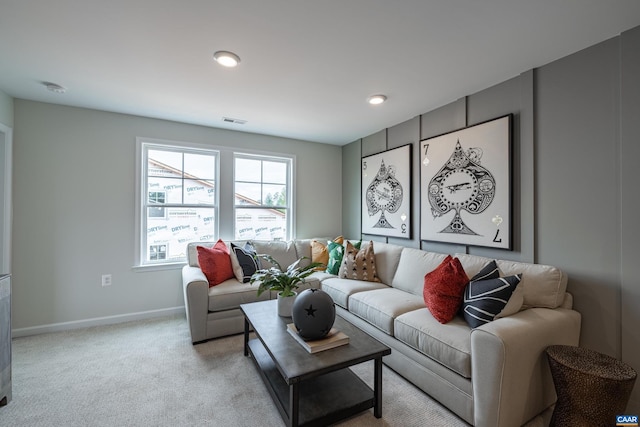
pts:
pixel 312 389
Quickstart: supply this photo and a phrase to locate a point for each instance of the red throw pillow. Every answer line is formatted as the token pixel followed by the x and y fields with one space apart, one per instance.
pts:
pixel 444 289
pixel 215 263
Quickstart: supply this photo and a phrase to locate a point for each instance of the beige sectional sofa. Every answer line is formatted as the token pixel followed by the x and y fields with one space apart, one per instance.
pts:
pixel 493 375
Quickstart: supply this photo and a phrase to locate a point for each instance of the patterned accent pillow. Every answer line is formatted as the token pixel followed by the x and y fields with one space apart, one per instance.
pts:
pixel 320 252
pixel 336 252
pixel 489 271
pixel 359 264
pixel 444 288
pixel 485 299
pixel 215 263
pixel 246 261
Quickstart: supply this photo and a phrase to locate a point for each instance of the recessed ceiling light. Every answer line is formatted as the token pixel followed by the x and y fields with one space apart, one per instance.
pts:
pixel 53 87
pixel 226 59
pixel 377 99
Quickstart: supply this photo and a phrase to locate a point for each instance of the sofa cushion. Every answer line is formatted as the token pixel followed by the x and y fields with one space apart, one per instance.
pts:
pixel 541 285
pixel 359 264
pixel 245 261
pixel 322 275
pixel 485 299
pixel 413 265
pixel 444 289
pixel 231 293
pixel 448 344
pixel 283 252
pixel 387 258
pixel 381 306
pixel 340 289
pixel 215 263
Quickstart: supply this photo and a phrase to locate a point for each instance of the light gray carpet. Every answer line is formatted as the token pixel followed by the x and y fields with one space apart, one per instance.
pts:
pixel 147 373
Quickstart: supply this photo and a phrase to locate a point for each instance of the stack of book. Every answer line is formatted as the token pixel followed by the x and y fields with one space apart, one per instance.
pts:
pixel 333 339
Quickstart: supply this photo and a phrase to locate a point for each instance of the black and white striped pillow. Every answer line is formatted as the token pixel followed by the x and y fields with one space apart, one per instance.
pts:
pixel 487 294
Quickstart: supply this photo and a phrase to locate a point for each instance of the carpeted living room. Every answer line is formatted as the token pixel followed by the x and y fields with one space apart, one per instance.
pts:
pixel 479 161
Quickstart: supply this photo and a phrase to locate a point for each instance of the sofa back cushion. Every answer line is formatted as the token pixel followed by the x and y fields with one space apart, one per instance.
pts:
pixel 387 258
pixel 283 252
pixel 413 265
pixel 303 248
pixel 542 285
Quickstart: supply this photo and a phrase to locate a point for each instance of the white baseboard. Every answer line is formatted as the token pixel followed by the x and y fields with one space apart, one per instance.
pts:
pixel 96 321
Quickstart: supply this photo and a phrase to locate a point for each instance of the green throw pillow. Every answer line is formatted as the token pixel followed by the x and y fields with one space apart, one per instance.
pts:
pixel 336 252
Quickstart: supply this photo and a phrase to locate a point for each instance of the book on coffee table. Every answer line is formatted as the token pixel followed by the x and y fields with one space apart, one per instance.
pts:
pixel 333 339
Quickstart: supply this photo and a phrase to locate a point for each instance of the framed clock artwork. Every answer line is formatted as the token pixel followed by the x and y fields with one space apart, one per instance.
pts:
pixel 386 193
pixel 465 185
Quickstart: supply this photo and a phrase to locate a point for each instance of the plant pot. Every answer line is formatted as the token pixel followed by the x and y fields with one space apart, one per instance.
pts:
pixel 285 305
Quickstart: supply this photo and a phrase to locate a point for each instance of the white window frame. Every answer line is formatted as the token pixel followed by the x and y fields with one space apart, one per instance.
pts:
pixel 142 146
pixel 290 208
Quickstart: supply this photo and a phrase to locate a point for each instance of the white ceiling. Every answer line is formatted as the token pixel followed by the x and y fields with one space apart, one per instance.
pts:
pixel 307 66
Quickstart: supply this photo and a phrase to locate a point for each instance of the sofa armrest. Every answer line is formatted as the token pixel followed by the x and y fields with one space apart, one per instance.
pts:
pixel 196 301
pixel 510 373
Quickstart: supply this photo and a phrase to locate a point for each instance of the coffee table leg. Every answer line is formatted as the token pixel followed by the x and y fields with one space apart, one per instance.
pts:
pixel 246 337
pixel 377 388
pixel 294 404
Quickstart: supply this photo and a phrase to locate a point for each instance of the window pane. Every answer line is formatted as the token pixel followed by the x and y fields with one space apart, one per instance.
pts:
pixel 248 194
pixel 248 170
pixel 274 172
pixel 164 163
pixel 175 229
pixel 199 192
pixel 275 195
pixel 171 187
pixel 179 203
pixel 260 224
pixel 156 198
pixel 202 166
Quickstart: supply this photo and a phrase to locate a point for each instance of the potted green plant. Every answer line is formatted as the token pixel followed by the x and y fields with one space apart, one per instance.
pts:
pixel 284 282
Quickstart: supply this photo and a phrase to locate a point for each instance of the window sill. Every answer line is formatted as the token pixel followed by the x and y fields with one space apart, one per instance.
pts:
pixel 158 267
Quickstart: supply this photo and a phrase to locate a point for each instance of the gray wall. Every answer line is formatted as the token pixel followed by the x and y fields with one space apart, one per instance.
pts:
pixel 6 109
pixel 575 186
pixel 629 295
pixel 74 210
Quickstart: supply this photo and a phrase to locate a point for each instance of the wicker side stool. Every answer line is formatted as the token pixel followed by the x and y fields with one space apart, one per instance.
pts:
pixel 592 388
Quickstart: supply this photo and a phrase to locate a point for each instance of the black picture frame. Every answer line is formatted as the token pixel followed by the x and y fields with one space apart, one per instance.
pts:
pixel 386 193
pixel 466 185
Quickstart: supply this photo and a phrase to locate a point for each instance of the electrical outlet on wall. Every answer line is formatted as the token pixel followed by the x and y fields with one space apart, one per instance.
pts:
pixel 106 280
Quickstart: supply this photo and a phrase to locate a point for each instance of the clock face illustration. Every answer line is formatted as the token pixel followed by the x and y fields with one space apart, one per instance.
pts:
pixel 385 194
pixel 461 184
pixel 458 187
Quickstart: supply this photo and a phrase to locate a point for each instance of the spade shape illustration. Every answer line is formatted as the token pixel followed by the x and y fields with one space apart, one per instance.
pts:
pixel 384 194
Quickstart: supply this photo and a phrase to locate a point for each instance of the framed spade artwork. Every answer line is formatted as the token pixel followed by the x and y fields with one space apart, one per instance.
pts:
pixel 465 185
pixel 386 193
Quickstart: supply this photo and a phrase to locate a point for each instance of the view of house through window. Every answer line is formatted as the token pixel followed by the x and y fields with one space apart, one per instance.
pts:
pixel 180 201
pixel 262 199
